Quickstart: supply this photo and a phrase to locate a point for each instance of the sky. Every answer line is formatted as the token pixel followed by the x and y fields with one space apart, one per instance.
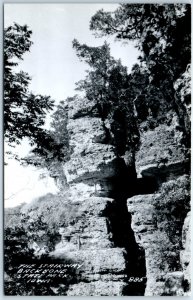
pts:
pixel 54 69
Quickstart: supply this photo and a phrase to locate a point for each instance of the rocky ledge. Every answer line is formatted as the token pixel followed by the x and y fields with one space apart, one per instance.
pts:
pixel 160 217
pixel 147 239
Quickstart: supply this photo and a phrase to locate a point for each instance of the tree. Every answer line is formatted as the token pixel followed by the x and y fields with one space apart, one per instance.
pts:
pixel 24 112
pixel 107 84
pixel 163 35
pixel 95 84
pixel 161 32
pixel 52 147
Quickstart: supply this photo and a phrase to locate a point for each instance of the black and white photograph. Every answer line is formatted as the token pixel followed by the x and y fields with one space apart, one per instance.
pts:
pixel 97 138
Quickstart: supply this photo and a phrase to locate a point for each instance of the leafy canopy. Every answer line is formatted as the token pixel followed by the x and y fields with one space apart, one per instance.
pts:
pixel 52 146
pixel 163 35
pixel 24 112
pixel 107 84
pixel 161 32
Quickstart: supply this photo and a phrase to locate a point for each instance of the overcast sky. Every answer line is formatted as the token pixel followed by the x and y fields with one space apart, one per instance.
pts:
pixel 54 68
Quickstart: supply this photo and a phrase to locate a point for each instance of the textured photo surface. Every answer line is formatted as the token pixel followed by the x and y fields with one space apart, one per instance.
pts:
pixel 97 149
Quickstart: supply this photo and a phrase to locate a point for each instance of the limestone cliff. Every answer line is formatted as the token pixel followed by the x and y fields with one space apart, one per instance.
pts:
pixel 160 218
pixel 138 246
pixel 101 238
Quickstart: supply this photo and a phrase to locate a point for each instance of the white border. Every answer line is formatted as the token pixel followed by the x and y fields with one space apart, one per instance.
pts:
pixel 2 296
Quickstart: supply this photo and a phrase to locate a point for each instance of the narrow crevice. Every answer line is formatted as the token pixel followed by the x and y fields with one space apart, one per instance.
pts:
pixel 145 185
pixel 123 237
pixel 124 187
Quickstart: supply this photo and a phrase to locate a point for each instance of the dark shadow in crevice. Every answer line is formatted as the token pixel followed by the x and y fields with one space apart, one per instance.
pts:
pixel 145 185
pixel 124 187
pixel 123 237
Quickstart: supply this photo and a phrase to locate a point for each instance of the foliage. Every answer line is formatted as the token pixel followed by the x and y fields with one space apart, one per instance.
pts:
pixel 54 210
pixel 107 84
pixel 12 216
pixel 52 148
pixel 16 242
pixel 163 35
pixel 17 252
pixel 24 112
pixel 29 230
pixel 161 31
pixel 40 221
pixel 44 216
pixel 172 206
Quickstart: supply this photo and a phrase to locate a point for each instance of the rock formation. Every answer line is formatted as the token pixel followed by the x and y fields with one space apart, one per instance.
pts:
pixel 101 239
pixel 160 218
pixel 138 246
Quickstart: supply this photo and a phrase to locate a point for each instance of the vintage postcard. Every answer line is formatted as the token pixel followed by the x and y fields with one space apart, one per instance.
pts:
pixel 97 149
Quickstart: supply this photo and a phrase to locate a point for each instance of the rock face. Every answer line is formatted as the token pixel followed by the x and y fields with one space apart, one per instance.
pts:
pixel 138 248
pixel 162 153
pixel 182 86
pixel 100 238
pixel 93 162
pixel 185 253
pixel 160 218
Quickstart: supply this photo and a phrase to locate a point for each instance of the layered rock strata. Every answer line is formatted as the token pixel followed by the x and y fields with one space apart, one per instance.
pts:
pixel 100 239
pixel 160 218
pixel 142 248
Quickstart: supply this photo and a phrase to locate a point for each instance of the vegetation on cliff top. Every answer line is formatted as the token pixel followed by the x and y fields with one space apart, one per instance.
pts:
pixel 163 35
pixel 108 85
pixel 24 112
